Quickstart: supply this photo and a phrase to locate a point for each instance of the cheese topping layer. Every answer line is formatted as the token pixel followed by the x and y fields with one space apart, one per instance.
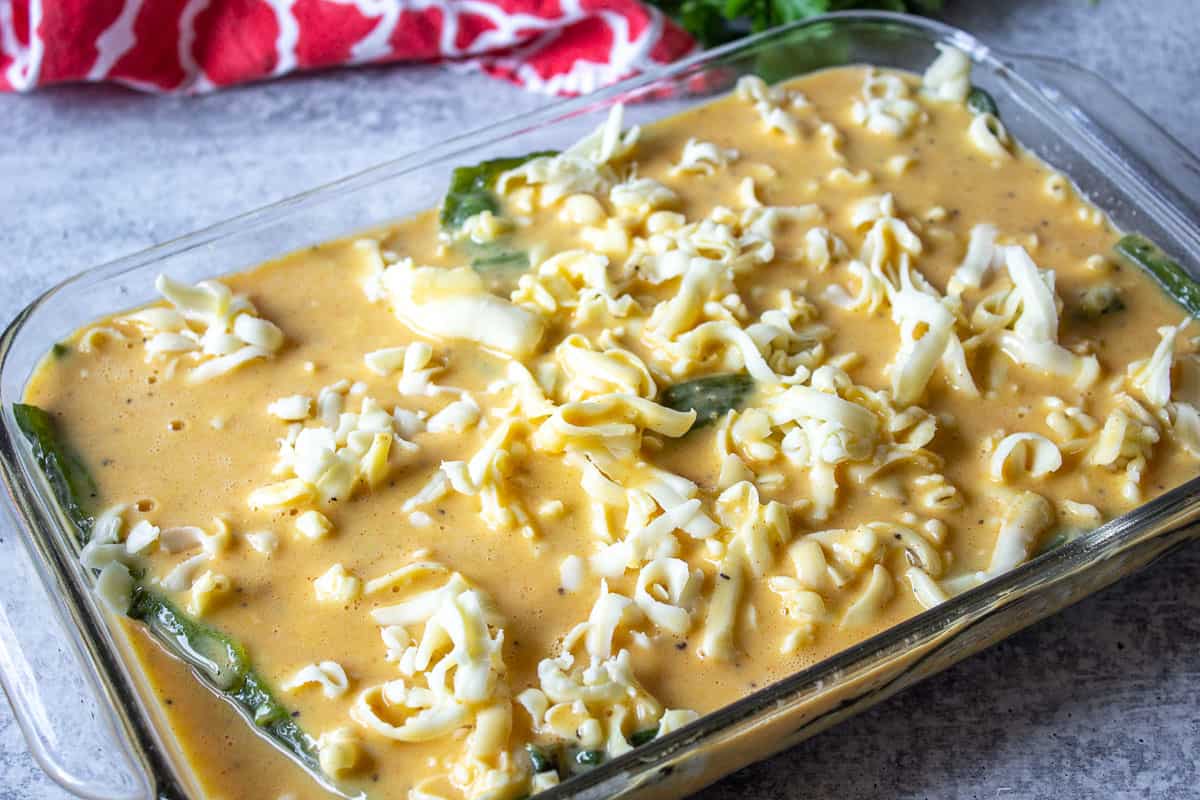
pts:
pixel 676 412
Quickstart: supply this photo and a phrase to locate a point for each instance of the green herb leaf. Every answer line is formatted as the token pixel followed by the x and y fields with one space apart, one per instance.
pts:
pixel 711 397
pixel 589 758
pixel 470 191
pixel 704 20
pixel 70 481
pixel 714 22
pixel 1172 277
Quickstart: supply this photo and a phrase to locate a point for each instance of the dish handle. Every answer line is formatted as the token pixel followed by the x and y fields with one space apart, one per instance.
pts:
pixel 53 692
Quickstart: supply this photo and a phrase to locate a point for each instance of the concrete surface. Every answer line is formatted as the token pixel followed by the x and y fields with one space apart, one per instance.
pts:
pixel 1101 701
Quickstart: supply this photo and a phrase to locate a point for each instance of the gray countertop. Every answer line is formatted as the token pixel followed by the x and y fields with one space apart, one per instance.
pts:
pixel 1100 701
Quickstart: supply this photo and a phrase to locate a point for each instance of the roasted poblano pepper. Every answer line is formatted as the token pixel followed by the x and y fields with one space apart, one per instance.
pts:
pixel 981 102
pixel 471 189
pixel 566 760
pixel 1098 301
pixel 69 479
pixel 493 256
pixel 472 192
pixel 221 662
pixel 711 397
pixel 541 759
pixel 1172 277
pixel 641 737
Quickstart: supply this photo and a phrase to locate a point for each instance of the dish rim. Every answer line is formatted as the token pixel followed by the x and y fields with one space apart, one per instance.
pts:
pixel 34 508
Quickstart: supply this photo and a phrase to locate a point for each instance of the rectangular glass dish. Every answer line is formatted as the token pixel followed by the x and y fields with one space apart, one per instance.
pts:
pixel 79 706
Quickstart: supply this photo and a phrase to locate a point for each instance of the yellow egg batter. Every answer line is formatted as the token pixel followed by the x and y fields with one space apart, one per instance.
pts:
pixel 943 370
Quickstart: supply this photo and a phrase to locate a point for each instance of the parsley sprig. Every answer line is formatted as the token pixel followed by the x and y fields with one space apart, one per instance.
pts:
pixel 714 22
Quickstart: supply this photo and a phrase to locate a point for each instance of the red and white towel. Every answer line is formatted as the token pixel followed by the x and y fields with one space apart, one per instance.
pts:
pixel 553 46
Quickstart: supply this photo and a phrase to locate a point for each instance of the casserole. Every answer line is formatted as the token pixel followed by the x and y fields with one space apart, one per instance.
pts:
pixel 268 234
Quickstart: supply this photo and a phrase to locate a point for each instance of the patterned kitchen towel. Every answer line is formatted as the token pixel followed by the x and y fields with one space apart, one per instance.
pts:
pixel 552 46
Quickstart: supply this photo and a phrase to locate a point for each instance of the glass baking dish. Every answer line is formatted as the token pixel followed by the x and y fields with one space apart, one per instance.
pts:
pixel 77 702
